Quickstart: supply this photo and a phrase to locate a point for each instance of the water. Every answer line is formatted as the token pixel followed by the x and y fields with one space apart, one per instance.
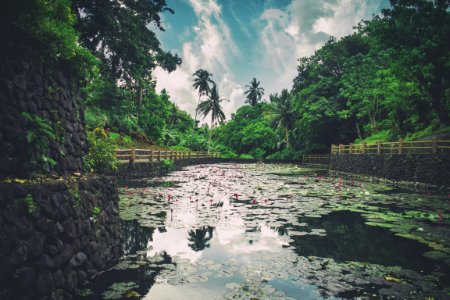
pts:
pixel 275 232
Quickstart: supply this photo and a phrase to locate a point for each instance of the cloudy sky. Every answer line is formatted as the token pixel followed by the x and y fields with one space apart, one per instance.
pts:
pixel 237 40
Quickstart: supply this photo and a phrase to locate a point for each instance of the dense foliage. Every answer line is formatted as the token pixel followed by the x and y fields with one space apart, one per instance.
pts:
pixel 388 80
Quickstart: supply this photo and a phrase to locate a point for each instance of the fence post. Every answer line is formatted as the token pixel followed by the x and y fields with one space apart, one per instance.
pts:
pixel 151 156
pixel 350 149
pixel 363 148
pixel 400 146
pixel 378 147
pixel 435 145
pixel 133 155
pixel 159 154
pixel 340 148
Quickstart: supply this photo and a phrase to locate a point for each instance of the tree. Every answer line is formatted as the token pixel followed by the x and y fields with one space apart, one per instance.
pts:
pixel 119 34
pixel 212 105
pixel 254 92
pixel 202 79
pixel 417 34
pixel 282 113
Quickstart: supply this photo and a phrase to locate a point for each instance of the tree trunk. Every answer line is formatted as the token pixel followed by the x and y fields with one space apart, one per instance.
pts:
pixel 210 134
pixel 139 101
pixel 287 137
pixel 196 111
pixel 358 131
pixel 435 90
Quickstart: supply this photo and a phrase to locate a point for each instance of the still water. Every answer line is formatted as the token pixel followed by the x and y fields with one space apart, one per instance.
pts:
pixel 276 232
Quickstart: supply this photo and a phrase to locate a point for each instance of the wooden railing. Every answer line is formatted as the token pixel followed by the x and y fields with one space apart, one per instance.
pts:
pixel 434 146
pixel 316 159
pixel 146 155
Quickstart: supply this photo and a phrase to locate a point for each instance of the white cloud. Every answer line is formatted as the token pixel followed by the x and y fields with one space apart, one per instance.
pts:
pixel 212 49
pixel 300 29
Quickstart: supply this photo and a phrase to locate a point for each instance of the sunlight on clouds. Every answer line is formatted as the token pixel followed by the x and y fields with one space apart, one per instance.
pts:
pixel 300 29
pixel 282 35
pixel 213 49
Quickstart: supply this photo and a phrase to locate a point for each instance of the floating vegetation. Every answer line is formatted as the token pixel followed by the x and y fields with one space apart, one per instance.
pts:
pixel 119 289
pixel 281 232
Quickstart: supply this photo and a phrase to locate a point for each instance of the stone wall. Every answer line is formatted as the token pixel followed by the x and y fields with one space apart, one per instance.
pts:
pixel 29 83
pixel 54 236
pixel 430 169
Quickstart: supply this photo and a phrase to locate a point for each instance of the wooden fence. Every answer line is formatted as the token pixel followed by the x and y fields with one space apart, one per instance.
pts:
pixel 146 155
pixel 434 146
pixel 316 159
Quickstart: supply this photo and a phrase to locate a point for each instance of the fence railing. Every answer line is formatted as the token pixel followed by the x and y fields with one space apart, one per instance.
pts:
pixel 146 155
pixel 316 159
pixel 434 146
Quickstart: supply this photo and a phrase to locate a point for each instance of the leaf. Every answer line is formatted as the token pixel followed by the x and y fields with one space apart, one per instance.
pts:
pixel 132 294
pixel 391 278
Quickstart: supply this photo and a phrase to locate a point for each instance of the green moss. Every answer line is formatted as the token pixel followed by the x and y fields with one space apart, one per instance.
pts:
pixel 31 204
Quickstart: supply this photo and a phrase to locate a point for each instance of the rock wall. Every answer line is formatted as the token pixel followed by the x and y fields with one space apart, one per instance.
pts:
pixel 423 168
pixel 54 236
pixel 29 83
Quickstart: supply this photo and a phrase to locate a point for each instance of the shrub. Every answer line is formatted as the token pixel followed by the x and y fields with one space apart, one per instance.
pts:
pixel 167 165
pixel 285 154
pixel 101 156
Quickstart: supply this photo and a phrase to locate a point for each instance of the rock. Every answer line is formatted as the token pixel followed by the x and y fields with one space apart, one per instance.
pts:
pixel 58 276
pixel 20 82
pixel 66 253
pixel 57 200
pixel 45 283
pixel 69 229
pixel 57 295
pixel 27 278
pixel 71 281
pixel 78 259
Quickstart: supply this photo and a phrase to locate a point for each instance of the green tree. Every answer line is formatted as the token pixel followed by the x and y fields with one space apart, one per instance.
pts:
pixel 417 34
pixel 212 105
pixel 119 34
pixel 282 114
pixel 202 79
pixel 254 92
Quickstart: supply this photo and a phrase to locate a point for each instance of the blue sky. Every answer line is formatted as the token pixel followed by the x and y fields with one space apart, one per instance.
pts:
pixel 237 40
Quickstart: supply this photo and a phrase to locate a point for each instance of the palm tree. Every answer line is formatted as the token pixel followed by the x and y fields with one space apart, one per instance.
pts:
pixel 212 105
pixel 254 92
pixel 200 237
pixel 202 79
pixel 282 112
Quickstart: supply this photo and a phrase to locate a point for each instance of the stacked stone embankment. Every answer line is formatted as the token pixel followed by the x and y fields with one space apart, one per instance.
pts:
pixel 54 236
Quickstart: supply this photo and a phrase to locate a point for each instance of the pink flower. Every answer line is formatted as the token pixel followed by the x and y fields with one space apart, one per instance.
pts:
pixel 254 201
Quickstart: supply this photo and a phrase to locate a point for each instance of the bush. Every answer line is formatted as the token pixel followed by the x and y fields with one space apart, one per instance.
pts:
pixel 285 154
pixel 95 118
pixel 225 152
pixel 101 157
pixel 167 165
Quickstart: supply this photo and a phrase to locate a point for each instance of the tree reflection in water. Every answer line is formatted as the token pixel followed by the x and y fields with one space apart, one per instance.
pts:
pixel 135 237
pixel 199 238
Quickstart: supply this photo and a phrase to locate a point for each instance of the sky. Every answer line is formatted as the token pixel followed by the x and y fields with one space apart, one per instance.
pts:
pixel 237 40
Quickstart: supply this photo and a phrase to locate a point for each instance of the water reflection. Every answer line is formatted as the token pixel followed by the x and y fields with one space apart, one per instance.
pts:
pixel 136 237
pixel 199 238
pixel 349 239
pixel 203 242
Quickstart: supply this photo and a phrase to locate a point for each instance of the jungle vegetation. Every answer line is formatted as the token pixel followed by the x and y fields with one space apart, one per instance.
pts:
pixel 388 79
